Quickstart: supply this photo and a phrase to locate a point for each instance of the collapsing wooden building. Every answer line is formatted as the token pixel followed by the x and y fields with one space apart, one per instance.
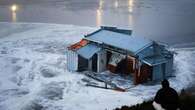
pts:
pixel 118 51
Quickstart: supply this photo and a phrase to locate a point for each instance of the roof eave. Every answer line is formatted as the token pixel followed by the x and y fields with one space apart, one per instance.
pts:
pixel 146 46
pixel 93 33
pixel 93 40
pixel 153 64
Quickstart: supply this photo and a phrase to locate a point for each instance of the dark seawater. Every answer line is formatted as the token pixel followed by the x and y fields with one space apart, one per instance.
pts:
pixel 167 21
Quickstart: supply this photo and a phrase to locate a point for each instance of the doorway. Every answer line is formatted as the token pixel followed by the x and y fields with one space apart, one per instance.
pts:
pixel 82 64
pixel 94 62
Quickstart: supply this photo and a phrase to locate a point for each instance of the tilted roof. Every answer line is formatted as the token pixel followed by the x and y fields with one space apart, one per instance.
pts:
pixel 120 40
pixel 88 50
pixel 155 60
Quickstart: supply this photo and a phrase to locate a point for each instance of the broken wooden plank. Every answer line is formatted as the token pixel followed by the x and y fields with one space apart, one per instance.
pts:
pixel 100 80
pixel 102 87
pixel 113 86
pixel 93 77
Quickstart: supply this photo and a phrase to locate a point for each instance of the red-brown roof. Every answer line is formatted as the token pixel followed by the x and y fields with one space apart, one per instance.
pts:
pixel 78 45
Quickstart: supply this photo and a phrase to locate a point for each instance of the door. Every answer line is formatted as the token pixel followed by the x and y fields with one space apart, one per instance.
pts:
pixel 94 62
pixel 82 64
pixel 143 74
pixel 163 70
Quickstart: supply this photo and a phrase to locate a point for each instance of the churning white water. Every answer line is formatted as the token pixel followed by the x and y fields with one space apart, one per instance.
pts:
pixel 33 72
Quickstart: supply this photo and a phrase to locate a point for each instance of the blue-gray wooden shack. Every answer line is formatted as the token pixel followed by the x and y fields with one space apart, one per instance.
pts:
pixel 117 50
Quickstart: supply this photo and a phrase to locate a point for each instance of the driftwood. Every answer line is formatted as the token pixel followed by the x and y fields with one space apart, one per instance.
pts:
pixel 102 87
pixel 112 85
